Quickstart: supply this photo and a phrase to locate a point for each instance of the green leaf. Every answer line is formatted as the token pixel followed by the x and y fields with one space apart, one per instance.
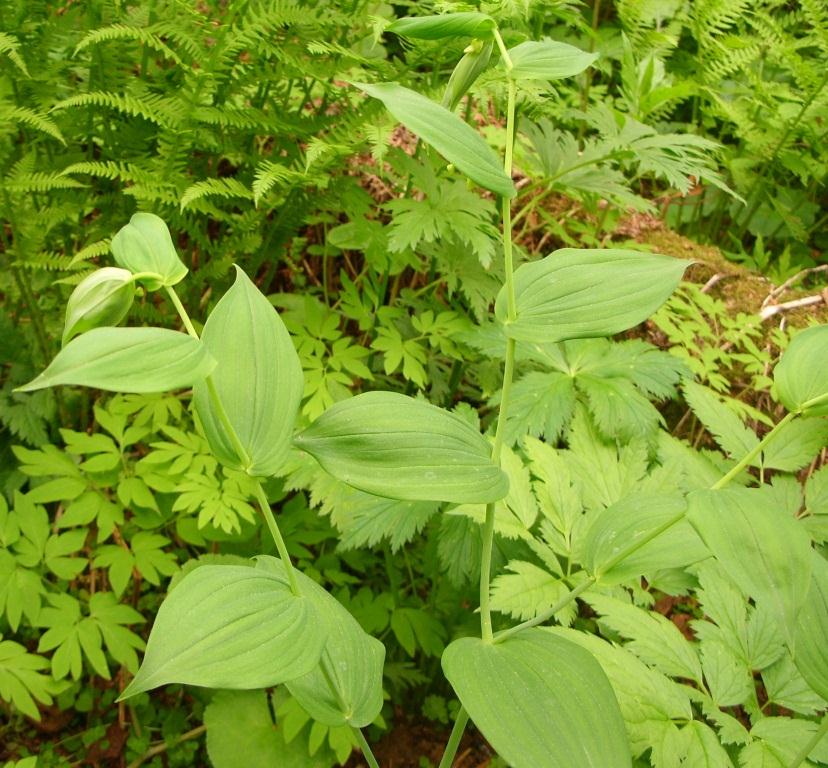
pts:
pixel 345 687
pixel 468 24
pixel 547 60
pixel 133 360
pixel 581 293
pixel 453 138
pixel 632 518
pixel 467 70
pixel 231 714
pixel 796 444
pixel 145 245
pixel 763 549
pixel 100 299
pixel 395 446
pixel 258 379
pixel 811 633
pixel 725 426
pixel 227 626
pixel 541 701
pixel 801 376
pixel 23 679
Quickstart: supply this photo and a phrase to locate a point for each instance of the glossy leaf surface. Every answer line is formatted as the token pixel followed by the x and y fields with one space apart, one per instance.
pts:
pixel 581 293
pixel 631 519
pixel 134 360
pixel 231 626
pixel 258 379
pixel 145 245
pixel 801 376
pixel 464 24
pixel 453 138
pixel 548 60
pixel 395 446
pixel 100 299
pixel 760 545
pixel 811 634
pixel 541 701
pixel 352 659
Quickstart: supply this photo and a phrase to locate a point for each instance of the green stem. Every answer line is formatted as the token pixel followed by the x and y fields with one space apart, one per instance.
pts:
pixel 454 740
pixel 752 454
pixel 819 734
pixel 366 748
pixel 273 527
pixel 508 371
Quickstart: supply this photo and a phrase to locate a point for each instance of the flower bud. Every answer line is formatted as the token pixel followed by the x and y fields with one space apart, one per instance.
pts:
pixel 100 299
pixel 144 245
pixel 468 69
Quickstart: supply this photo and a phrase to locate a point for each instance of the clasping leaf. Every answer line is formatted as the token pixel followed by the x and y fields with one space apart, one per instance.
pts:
pixel 133 360
pixel 582 293
pixel 100 299
pixel 466 24
pixel 801 376
pixel 548 60
pixel 258 380
pixel 395 446
pixel 145 246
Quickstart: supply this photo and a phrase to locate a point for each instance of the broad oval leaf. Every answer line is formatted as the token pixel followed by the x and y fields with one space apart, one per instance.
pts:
pixel 395 446
pixel 465 24
pixel 231 626
pixel 353 662
pixel 631 519
pixel 581 293
pixel 136 360
pixel 540 701
pixel 258 379
pixel 811 634
pixel 548 60
pixel 760 546
pixel 801 376
pixel 145 245
pixel 453 138
pixel 100 299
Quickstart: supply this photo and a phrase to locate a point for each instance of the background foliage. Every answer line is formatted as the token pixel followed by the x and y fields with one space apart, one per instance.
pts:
pixel 233 121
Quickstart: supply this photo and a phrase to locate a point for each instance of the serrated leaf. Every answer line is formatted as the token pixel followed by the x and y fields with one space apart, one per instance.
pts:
pixel 454 139
pixel 227 626
pixel 554 706
pixel 395 446
pixel 764 550
pixel 137 360
pixel 258 379
pixel 795 445
pixel 582 293
pixel 725 426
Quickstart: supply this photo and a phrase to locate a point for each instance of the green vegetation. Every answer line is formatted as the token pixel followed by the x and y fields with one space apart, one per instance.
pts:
pixel 459 444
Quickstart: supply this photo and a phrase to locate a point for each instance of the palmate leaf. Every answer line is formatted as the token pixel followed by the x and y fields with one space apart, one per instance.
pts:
pixel 725 426
pixel 24 680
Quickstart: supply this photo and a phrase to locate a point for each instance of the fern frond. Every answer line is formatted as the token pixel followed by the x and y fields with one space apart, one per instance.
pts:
pixel 9 45
pixel 31 118
pixel 168 113
pixel 214 188
pixel 91 251
pixel 268 175
pixel 126 32
pixel 48 261
pixel 40 182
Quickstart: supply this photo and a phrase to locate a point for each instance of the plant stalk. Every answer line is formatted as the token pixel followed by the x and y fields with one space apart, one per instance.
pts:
pixel 509 367
pixel 261 498
pixel 454 740
pixel 366 748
